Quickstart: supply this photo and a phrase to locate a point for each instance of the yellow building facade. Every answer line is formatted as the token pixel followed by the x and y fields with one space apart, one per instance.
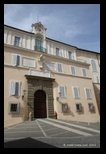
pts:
pixel 43 76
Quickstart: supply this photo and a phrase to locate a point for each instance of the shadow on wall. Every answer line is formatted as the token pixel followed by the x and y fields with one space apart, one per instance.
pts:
pixel 69 112
pixel 27 143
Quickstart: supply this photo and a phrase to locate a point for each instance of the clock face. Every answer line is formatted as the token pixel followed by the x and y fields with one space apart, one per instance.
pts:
pixel 39 29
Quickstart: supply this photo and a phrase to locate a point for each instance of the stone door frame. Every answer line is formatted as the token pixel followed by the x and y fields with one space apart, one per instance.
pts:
pixel 36 83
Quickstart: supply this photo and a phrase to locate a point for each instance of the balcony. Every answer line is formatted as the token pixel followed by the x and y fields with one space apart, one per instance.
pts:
pixel 40 48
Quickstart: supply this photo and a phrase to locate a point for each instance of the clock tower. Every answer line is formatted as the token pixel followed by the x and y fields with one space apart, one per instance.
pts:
pixel 40 36
pixel 38 28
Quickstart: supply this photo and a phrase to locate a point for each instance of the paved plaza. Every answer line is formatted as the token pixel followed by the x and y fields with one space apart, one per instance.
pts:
pixel 52 133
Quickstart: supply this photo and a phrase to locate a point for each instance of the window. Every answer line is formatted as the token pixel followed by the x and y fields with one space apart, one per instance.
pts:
pixel 57 52
pixel 96 79
pixel 70 55
pixel 14 88
pixel 64 107
pixel 16 60
pixel 91 107
pixel 13 107
pixel 17 41
pixel 59 68
pixel 88 93
pixel 39 44
pixel 73 70
pixel 84 72
pixel 76 92
pixel 78 107
pixel 93 64
pixel 62 91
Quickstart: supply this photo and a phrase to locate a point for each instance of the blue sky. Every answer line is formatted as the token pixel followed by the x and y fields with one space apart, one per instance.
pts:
pixel 74 24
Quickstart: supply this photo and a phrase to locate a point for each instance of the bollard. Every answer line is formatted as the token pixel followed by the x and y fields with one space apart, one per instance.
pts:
pixel 55 115
pixel 30 116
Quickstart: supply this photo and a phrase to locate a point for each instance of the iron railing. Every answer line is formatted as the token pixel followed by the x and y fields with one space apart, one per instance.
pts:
pixel 40 48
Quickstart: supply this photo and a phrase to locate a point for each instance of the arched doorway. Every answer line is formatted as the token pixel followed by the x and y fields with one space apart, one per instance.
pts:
pixel 40 104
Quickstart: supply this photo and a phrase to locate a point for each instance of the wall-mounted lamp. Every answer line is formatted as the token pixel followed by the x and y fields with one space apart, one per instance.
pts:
pixel 58 97
pixel 24 92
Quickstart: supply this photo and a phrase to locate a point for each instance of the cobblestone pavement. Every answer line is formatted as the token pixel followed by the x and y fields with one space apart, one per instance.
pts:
pixel 52 133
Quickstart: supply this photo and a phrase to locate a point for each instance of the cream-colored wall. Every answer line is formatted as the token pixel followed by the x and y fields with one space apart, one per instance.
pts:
pixel 12 73
pixel 67 65
pixel 26 40
pixel 65 79
pixel 8 51
pixel 73 115
pixel 87 56
pixel 52 45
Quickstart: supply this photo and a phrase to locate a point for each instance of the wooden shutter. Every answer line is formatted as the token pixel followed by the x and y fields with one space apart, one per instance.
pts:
pixel 12 88
pixel 84 72
pixel 62 90
pixel 76 92
pixel 14 59
pixel 73 70
pixel 88 93
pixel 60 68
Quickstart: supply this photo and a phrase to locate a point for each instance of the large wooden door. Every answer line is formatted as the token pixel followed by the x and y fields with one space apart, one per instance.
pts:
pixel 40 104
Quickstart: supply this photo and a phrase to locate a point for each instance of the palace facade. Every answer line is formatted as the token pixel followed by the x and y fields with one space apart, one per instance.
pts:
pixel 43 76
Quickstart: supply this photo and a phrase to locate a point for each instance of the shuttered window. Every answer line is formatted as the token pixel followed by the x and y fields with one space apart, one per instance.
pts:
pixel 88 93
pixel 76 92
pixel 16 60
pixel 73 70
pixel 84 72
pixel 96 79
pixel 59 68
pixel 93 64
pixel 14 88
pixel 62 91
